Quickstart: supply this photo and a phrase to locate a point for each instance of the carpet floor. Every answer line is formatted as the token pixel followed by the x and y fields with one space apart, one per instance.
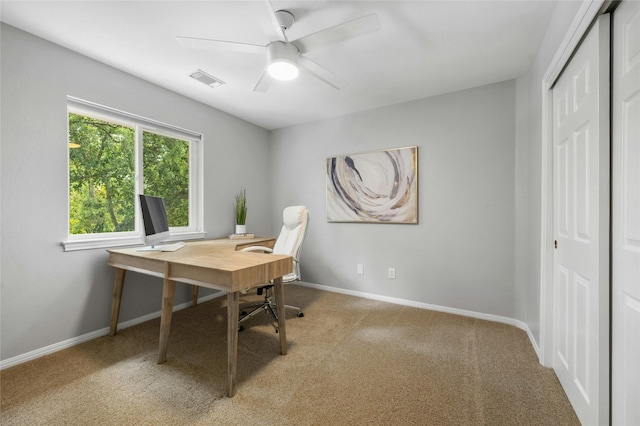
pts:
pixel 351 361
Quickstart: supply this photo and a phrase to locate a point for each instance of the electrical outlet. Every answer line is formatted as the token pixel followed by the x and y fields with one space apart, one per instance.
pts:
pixel 360 269
pixel 392 273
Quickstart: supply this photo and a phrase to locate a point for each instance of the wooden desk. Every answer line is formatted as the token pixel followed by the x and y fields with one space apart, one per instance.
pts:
pixel 214 264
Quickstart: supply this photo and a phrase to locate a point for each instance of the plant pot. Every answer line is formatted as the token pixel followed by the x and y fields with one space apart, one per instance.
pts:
pixel 241 229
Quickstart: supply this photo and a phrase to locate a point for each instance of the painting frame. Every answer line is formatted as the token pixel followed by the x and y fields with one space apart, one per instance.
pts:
pixel 373 187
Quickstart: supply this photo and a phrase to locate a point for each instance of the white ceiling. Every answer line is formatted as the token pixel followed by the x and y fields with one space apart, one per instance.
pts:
pixel 424 48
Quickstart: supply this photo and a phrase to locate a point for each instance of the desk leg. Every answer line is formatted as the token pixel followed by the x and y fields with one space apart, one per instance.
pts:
pixel 194 295
pixel 232 339
pixel 282 330
pixel 168 292
pixel 118 284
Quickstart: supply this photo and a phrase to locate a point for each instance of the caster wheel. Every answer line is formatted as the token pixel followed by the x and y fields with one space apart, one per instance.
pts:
pixel 300 315
pixel 243 313
pixel 277 330
pixel 241 328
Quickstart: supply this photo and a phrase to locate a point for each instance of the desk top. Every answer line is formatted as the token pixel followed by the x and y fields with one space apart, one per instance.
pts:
pixel 209 263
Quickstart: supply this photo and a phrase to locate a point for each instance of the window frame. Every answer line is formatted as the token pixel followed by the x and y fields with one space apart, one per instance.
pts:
pixel 195 229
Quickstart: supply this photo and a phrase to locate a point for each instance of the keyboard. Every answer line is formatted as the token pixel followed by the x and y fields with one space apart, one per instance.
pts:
pixel 172 247
pixel 164 247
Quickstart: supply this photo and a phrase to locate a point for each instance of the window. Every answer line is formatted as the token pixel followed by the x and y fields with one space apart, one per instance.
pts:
pixel 113 156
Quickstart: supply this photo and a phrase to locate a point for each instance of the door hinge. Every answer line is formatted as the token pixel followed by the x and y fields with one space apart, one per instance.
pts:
pixel 555 243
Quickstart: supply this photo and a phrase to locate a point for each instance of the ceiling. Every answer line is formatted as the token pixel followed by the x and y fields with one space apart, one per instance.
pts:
pixel 424 48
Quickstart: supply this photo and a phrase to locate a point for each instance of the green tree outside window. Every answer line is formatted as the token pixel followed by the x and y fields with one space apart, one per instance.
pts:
pixel 166 174
pixel 102 175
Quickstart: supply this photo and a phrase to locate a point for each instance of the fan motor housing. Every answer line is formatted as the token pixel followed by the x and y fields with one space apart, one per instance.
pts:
pixel 281 50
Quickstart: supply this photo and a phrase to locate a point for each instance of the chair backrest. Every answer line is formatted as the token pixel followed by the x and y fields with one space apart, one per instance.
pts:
pixel 294 229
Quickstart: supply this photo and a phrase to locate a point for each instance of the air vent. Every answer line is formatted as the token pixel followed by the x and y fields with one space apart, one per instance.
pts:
pixel 207 79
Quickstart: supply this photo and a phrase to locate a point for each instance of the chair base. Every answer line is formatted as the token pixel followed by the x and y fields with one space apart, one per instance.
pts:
pixel 268 306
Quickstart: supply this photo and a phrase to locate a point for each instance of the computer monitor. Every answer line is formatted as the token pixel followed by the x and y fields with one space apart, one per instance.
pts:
pixel 154 218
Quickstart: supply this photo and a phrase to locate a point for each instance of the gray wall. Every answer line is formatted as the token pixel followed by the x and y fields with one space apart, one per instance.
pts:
pixel 461 254
pixel 48 295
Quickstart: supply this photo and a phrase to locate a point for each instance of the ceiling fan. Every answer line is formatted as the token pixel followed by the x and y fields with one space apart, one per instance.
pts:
pixel 285 56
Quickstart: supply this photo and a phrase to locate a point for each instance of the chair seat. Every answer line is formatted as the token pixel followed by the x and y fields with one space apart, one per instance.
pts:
pixel 290 278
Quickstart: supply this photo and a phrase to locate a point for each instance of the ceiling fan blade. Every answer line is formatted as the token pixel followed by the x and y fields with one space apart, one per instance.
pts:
pixel 321 73
pixel 219 45
pixel 338 33
pixel 264 82
pixel 278 31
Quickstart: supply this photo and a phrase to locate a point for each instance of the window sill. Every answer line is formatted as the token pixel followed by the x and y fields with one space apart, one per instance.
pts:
pixel 107 243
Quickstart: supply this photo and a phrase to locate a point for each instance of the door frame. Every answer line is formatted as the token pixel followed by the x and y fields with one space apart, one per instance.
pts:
pixel 586 15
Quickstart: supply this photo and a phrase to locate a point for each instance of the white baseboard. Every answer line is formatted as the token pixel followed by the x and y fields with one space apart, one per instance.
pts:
pixel 10 362
pixel 472 314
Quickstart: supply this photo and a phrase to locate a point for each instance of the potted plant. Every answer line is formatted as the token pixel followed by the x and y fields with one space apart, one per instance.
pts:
pixel 241 212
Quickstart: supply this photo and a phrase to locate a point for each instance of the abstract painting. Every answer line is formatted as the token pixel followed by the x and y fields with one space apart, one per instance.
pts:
pixel 379 186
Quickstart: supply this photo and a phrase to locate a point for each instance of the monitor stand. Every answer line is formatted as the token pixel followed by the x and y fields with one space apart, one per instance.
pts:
pixel 156 247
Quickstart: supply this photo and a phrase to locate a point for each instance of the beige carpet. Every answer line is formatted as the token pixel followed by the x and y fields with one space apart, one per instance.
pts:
pixel 351 361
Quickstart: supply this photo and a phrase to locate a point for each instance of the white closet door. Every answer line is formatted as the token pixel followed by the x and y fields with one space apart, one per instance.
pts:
pixel 581 226
pixel 626 215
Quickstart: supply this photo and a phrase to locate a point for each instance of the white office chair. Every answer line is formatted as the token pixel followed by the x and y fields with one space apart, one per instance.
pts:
pixel 294 229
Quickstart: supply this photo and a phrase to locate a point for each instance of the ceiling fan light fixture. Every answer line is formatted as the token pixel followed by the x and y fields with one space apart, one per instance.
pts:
pixel 283 69
pixel 282 61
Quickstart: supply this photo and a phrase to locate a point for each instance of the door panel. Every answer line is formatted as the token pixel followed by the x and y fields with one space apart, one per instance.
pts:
pixel 561 317
pixel 581 224
pixel 562 186
pixel 582 191
pixel 582 351
pixel 625 239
